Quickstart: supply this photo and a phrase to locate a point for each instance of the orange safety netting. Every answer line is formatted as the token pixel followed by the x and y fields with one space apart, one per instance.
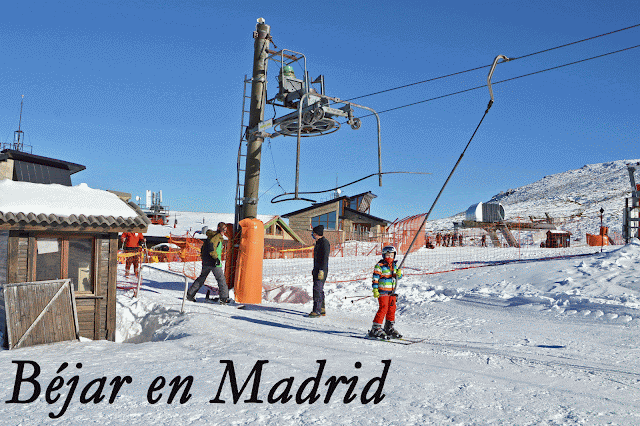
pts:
pixel 189 253
pixel 128 256
pixel 271 252
pixel 401 233
pixel 435 250
pixel 123 256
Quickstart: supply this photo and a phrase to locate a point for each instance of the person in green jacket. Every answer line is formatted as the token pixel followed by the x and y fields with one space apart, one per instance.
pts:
pixel 211 254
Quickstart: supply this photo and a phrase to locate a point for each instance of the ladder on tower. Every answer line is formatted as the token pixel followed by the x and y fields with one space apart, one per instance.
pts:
pixel 242 154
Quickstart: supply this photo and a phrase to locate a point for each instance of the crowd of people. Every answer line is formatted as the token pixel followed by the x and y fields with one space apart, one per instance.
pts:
pixel 450 240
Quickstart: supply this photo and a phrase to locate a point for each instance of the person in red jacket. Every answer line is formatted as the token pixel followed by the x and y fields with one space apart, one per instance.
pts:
pixel 131 245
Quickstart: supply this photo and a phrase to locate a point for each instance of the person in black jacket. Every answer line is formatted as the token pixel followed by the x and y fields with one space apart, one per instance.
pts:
pixel 320 270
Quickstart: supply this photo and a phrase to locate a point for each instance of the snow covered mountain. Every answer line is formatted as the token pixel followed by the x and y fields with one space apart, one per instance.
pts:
pixel 573 198
pixel 581 192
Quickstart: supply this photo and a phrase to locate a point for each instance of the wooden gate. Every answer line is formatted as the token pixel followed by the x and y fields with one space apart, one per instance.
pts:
pixel 39 312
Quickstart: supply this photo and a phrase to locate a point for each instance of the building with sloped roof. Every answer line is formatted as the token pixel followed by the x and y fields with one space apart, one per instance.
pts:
pixel 50 230
pixel 344 218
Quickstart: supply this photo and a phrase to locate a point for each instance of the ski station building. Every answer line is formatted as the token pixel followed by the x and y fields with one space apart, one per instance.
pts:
pixel 343 218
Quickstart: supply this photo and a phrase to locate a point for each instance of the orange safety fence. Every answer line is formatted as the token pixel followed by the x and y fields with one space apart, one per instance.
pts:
pixel 435 251
pixel 122 283
pixel 189 249
pixel 440 250
pixel 123 256
pixel 400 234
pixel 150 256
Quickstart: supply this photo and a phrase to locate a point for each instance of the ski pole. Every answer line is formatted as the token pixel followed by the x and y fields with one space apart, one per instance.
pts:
pixel 493 67
pixel 364 297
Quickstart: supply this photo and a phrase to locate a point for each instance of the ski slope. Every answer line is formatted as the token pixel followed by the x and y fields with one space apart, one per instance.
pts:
pixel 553 342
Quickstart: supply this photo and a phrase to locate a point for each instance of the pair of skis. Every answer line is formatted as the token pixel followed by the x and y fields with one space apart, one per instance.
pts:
pixel 398 341
pixel 216 300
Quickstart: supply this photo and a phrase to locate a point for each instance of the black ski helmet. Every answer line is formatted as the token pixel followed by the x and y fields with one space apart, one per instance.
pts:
pixel 389 249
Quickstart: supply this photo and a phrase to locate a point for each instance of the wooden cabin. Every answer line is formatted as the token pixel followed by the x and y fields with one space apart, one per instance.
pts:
pixel 557 239
pixel 344 218
pixel 278 235
pixel 56 231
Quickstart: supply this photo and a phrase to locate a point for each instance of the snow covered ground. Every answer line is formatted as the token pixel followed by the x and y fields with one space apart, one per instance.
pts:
pixel 544 342
pixel 182 223
pixel 538 342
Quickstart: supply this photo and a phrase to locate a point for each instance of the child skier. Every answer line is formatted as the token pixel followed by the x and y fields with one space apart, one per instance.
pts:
pixel 385 273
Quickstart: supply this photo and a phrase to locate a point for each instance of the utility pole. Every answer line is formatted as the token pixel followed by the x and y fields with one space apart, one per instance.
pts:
pixel 262 37
pixel 601 230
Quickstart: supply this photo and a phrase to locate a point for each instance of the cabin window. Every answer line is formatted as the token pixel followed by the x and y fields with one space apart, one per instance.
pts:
pixel 48 259
pixel 354 203
pixel 327 219
pixel 79 264
pixel 65 257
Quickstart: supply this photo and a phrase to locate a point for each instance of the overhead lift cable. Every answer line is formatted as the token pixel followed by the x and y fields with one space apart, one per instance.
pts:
pixel 487 66
pixel 504 81
pixel 444 96
pixel 275 171
pixel 273 200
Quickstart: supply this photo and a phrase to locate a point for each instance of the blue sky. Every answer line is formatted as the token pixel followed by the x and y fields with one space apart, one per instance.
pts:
pixel 148 94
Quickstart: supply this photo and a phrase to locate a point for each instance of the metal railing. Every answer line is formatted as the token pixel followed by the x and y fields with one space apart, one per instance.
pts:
pixel 186 283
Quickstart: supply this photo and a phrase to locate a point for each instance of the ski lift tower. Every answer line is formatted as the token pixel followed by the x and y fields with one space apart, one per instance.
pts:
pixel 315 114
pixel 631 214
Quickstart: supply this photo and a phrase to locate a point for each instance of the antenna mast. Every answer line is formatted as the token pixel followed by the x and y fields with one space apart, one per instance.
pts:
pixel 18 135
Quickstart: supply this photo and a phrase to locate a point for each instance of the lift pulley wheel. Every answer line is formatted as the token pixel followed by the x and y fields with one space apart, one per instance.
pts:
pixel 310 117
pixel 323 126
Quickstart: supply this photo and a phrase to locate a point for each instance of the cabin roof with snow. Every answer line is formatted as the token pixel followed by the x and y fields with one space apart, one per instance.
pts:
pixel 51 230
pixel 54 207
